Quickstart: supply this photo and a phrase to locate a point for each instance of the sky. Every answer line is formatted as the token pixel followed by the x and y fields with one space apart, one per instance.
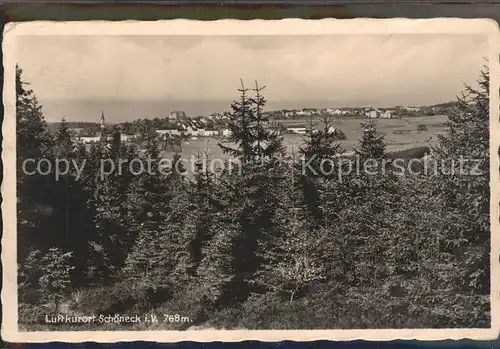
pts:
pixel 130 77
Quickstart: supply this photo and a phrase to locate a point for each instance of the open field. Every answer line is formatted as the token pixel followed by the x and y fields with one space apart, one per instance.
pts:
pixel 400 134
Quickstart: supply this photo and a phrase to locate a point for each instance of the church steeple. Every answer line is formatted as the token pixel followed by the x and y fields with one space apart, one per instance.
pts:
pixel 103 121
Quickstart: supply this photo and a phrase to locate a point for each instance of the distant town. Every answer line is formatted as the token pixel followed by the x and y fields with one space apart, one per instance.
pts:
pixel 179 125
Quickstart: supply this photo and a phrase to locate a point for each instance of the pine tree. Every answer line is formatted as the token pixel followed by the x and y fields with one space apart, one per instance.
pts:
pixel 55 282
pixel 158 207
pixel 462 181
pixel 204 204
pixel 372 143
pixel 254 142
pixel 63 138
pixel 319 162
pixel 114 226
pixel 294 252
pixel 247 202
pixel 35 230
pixel 240 127
pixel 267 143
pixel 217 271
pixel 321 150
pixel 33 138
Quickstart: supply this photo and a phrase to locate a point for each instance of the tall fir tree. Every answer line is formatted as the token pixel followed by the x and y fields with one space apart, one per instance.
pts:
pixel 463 183
pixel 33 143
pixel 319 161
pixel 372 143
pixel 251 198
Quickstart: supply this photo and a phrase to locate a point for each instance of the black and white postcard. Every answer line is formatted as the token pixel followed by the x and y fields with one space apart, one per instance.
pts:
pixel 269 180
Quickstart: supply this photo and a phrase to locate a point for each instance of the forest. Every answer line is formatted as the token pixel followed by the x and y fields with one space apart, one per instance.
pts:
pixel 270 247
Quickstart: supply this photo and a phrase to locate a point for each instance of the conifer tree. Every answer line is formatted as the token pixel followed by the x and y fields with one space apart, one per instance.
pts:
pixel 254 141
pixel 203 205
pixel 217 271
pixel 266 142
pixel 240 127
pixel 35 226
pixel 372 143
pixel 319 162
pixel 248 200
pixel 160 255
pixel 63 138
pixel 320 150
pixel 33 138
pixel 462 181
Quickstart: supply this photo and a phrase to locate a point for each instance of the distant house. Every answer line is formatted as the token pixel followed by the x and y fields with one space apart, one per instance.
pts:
pixel 209 132
pixel 337 111
pixel 201 131
pixel 372 113
pixel 163 133
pixel 90 139
pixel 168 132
pixel 304 113
pixel 412 108
pixel 192 130
pixel 177 115
pixel 225 132
pixel 386 114
pixel 332 130
pixel 126 138
pixel 297 130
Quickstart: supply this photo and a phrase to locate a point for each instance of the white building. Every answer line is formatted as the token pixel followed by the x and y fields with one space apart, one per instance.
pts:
pixel 304 113
pixel 126 138
pixel 210 133
pixel 412 108
pixel 387 114
pixel 170 132
pixel 297 130
pixel 89 139
pixel 177 115
pixel 372 113
pixel 225 132
pixel 332 130
pixel 191 130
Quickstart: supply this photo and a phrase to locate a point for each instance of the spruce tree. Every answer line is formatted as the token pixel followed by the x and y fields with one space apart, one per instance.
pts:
pixel 35 228
pixel 254 141
pixel 248 201
pixel 318 162
pixel 320 151
pixel 239 125
pixel 267 143
pixel 158 207
pixel 463 183
pixel 63 138
pixel 33 138
pixel 372 143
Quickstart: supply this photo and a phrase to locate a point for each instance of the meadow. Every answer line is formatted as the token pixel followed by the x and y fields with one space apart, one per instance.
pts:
pixel 400 134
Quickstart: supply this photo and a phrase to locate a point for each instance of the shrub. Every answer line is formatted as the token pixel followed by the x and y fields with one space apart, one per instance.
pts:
pixel 119 298
pixel 31 314
pixel 421 127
